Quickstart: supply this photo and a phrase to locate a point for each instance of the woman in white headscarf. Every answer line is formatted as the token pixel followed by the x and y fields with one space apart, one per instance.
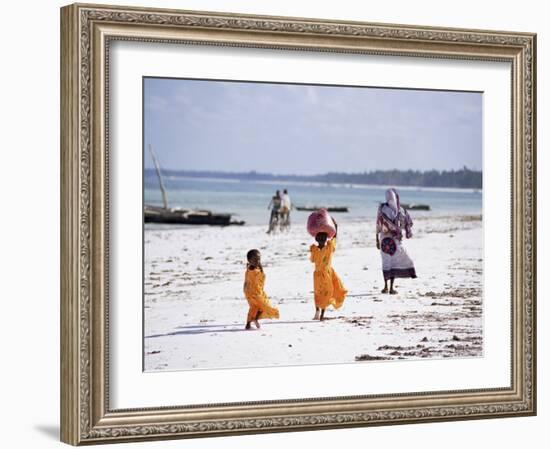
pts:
pixel 390 222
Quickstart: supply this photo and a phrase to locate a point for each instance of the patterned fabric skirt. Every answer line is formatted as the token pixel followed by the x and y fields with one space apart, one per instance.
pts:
pixel 396 263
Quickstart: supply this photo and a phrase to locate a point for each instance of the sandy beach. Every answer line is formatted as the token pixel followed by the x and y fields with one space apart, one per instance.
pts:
pixel 195 310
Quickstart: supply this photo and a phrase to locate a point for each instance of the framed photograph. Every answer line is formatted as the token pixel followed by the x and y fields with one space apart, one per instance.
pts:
pixel 280 224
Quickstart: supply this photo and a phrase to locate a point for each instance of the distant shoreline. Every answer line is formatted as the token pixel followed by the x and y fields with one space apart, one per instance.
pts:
pixel 332 184
pixel 457 180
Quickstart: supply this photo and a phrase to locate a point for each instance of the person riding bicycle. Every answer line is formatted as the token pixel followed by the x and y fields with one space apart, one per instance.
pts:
pixel 275 206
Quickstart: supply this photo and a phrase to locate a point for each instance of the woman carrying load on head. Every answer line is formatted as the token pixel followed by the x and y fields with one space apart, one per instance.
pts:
pixel 391 220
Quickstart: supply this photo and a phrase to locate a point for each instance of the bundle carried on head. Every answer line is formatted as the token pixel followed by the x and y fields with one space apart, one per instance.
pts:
pixel 321 221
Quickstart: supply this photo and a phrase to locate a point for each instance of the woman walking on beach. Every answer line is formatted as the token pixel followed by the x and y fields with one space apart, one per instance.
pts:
pixel 258 302
pixel 327 286
pixel 391 220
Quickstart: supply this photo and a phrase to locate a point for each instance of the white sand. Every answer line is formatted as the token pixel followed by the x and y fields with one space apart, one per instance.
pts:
pixel 195 309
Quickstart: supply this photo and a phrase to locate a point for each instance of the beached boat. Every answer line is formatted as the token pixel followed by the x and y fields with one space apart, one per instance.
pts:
pixel 328 208
pixel 156 214
pixel 168 215
pixel 413 206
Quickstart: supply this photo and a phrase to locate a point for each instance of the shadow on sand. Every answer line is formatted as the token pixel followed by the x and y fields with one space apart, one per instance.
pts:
pixel 222 328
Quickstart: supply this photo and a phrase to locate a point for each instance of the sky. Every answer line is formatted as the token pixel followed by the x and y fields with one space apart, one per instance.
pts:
pixel 308 129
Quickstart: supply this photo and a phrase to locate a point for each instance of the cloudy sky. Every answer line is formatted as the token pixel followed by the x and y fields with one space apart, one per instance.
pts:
pixel 303 129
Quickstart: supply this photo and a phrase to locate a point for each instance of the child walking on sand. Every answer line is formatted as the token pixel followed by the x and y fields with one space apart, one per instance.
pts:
pixel 258 302
pixel 327 286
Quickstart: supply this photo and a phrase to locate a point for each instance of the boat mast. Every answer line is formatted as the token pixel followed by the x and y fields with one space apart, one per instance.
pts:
pixel 157 168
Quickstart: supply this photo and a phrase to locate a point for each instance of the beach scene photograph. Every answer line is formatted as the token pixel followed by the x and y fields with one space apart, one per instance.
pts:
pixel 297 224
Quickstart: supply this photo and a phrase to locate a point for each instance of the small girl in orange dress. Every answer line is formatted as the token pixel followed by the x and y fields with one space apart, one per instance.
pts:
pixel 258 302
pixel 327 286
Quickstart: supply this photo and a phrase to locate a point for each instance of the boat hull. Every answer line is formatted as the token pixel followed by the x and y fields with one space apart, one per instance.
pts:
pixel 153 214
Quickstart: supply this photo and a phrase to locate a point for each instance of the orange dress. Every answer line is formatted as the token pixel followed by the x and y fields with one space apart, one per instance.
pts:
pixel 327 286
pixel 257 299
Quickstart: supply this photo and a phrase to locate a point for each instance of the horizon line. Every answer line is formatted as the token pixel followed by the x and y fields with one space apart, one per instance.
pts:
pixel 248 172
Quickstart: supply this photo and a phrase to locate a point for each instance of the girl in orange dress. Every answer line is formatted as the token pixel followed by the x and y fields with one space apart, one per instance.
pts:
pixel 327 286
pixel 258 302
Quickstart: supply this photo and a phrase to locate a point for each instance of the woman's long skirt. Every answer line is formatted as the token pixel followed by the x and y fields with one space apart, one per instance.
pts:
pixel 396 263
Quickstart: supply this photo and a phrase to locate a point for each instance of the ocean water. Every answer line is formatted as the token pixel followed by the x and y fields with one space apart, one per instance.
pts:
pixel 248 200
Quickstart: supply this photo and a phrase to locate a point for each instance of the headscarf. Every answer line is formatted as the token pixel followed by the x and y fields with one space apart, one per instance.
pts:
pixel 392 206
pixel 391 210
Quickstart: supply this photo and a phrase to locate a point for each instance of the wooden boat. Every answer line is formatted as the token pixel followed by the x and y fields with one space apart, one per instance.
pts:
pixel 167 215
pixel 156 214
pixel 329 208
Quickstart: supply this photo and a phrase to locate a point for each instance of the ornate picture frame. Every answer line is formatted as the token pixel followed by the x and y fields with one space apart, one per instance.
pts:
pixel 87 31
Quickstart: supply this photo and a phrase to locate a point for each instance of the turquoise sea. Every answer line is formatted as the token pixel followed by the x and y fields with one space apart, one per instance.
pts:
pixel 248 200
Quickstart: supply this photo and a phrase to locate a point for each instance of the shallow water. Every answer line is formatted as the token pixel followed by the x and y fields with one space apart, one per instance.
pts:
pixel 248 200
